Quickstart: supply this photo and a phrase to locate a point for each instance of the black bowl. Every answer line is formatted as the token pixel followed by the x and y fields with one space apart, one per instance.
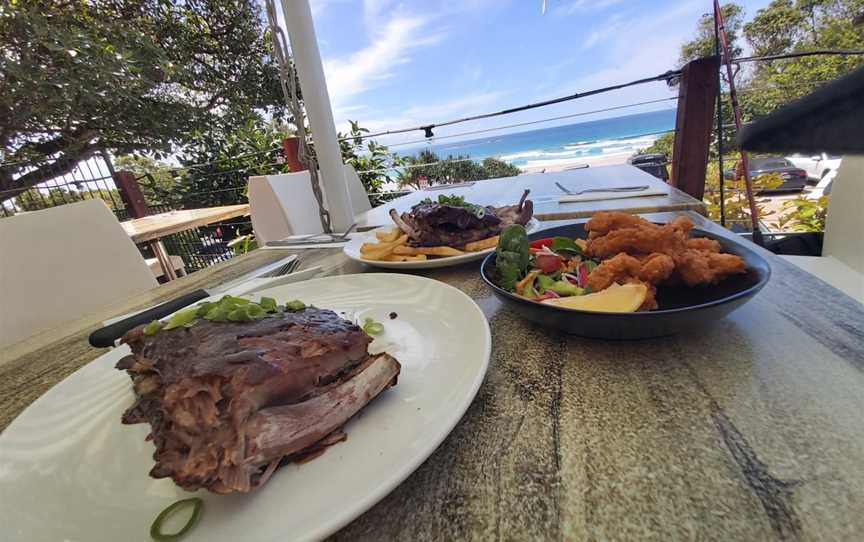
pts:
pixel 680 307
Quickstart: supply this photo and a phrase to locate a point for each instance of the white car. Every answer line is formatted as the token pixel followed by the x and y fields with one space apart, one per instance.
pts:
pixel 817 166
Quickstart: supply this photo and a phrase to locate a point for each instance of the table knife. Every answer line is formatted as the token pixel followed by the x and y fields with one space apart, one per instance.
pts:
pixel 256 280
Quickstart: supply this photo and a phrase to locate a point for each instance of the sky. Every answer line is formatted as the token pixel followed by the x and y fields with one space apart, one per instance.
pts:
pixel 392 64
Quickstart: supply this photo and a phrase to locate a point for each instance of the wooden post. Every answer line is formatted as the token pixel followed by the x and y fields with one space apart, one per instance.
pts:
pixel 291 145
pixel 697 94
pixel 131 194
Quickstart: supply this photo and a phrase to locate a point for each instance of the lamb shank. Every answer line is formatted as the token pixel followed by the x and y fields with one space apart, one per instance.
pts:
pixel 228 402
pixel 453 222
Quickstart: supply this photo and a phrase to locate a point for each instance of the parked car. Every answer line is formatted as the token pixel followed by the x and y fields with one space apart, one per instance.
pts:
pixel 817 166
pixel 655 164
pixel 794 178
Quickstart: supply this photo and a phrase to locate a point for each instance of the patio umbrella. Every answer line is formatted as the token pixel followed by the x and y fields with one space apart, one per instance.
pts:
pixel 831 119
pixel 307 59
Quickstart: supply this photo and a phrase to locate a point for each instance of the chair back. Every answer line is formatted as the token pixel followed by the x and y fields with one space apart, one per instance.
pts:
pixel 844 225
pixel 60 264
pixel 284 205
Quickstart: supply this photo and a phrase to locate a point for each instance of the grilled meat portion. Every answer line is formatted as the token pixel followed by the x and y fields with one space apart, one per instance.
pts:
pixel 228 401
pixel 434 224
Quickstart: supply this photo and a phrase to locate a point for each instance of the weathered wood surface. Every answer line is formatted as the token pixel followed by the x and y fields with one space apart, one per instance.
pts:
pixel 152 227
pixel 545 195
pixel 751 429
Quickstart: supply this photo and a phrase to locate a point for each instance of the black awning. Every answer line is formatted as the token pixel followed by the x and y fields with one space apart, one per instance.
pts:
pixel 831 119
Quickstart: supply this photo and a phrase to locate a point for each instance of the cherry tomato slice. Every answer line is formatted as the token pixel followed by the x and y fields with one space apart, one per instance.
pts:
pixel 548 263
pixel 540 243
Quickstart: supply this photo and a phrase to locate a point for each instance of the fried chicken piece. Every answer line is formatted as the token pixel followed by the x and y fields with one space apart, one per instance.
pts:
pixel 697 267
pixel 617 269
pixel 634 249
pixel 703 243
pixel 668 239
pixel 624 269
pixel 682 224
pixel 656 267
pixel 605 221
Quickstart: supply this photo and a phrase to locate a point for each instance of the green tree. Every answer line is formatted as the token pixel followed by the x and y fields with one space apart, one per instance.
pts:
pixel 496 168
pixel 218 166
pixel 155 178
pixel 428 167
pixel 702 44
pixel 125 76
pixel 32 200
pixel 372 161
pixel 786 26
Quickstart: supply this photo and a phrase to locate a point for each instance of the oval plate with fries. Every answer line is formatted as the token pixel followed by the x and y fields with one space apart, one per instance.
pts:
pixel 388 247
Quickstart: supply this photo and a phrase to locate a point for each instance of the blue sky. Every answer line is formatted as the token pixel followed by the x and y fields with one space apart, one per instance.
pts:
pixel 392 64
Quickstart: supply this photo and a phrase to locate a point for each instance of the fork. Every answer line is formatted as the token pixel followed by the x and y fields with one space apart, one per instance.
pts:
pixel 285 269
pixel 589 190
pixel 327 237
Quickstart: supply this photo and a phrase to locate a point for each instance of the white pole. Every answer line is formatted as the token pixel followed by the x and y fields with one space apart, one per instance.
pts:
pixel 304 46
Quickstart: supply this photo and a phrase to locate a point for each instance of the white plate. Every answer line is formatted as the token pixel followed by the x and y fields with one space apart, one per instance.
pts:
pixel 352 250
pixel 70 471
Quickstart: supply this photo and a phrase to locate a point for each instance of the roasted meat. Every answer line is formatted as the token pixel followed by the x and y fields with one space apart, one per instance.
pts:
pixel 434 224
pixel 227 402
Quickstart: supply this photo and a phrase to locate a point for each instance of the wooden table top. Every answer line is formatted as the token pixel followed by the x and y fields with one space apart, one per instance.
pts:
pixel 157 226
pixel 545 195
pixel 749 430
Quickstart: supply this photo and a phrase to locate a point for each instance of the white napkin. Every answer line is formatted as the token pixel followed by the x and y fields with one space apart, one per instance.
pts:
pixel 595 196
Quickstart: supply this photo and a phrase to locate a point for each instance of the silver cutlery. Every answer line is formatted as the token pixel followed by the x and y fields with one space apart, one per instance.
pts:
pixel 107 335
pixel 589 190
pixel 322 237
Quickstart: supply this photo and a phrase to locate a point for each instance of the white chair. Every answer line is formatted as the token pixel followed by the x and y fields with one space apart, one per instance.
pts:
pixel 842 262
pixel 62 263
pixel 284 205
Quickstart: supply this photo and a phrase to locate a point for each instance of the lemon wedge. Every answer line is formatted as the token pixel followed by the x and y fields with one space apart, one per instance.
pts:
pixel 616 298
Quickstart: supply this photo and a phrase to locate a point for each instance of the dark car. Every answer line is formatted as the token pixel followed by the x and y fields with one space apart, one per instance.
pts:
pixel 655 164
pixel 794 178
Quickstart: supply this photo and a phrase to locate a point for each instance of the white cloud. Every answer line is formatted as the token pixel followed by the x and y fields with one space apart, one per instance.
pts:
pixel 570 7
pixel 393 41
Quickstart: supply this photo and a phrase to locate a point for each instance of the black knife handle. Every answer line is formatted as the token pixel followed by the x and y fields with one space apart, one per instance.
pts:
pixel 105 337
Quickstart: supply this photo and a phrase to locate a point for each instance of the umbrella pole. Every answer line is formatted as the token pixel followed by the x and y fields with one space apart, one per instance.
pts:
pixel 307 58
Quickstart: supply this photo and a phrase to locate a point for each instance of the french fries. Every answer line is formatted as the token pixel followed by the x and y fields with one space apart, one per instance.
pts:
pixel 392 246
pixel 377 251
pixel 388 236
pixel 428 251
pixel 482 244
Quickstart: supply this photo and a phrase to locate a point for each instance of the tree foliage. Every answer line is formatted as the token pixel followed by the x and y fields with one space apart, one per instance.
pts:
pixel 702 44
pixel 218 166
pixel 372 161
pixel 35 200
pixel 155 178
pixel 126 75
pixel 427 167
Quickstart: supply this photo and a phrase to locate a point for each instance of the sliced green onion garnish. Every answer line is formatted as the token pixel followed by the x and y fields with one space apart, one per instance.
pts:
pixel 153 327
pixel 156 529
pixel 182 318
pixel 371 327
pixel 268 304
pixel 295 305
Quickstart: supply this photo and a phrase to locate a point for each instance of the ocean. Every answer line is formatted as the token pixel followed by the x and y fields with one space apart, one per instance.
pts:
pixel 560 146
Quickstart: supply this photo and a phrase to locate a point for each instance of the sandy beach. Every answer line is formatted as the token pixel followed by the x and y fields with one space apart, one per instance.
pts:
pixel 567 163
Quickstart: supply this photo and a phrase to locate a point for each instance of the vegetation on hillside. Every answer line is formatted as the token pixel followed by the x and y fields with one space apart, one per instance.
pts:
pixel 427 167
pixel 784 26
pixel 127 76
